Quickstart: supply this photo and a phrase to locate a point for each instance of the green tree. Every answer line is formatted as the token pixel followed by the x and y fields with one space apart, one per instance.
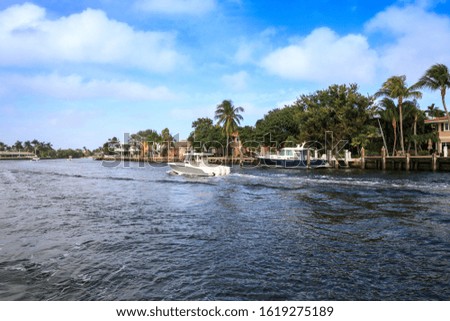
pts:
pixel 433 111
pixel 437 77
pixel 166 141
pixel 27 146
pixel 108 147
pixel 396 88
pixel 18 146
pixel 278 125
pixel 148 135
pixel 413 115
pixel 340 109
pixel 205 134
pixel 228 116
pixel 389 113
pixel 247 134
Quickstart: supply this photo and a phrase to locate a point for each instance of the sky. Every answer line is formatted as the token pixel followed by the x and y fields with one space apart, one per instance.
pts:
pixel 75 73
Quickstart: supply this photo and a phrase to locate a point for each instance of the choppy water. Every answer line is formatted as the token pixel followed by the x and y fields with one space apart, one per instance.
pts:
pixel 80 231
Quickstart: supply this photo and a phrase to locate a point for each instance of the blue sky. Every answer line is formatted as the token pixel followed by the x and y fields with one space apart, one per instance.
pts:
pixel 75 73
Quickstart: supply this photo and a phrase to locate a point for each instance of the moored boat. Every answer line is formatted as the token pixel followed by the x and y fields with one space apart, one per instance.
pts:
pixel 299 157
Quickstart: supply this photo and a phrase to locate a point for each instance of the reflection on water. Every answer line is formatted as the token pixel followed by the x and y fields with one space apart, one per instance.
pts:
pixel 80 231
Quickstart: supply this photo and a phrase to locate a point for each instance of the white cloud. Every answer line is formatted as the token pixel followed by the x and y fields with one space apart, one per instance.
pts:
pixel 177 7
pixel 28 37
pixel 236 81
pixel 75 87
pixel 248 50
pixel 324 57
pixel 419 39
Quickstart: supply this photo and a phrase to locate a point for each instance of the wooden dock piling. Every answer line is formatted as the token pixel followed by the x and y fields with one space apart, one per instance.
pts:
pixel 363 158
pixel 383 158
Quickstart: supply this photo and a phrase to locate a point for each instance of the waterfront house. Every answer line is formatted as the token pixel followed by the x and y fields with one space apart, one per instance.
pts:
pixel 443 130
pixel 16 155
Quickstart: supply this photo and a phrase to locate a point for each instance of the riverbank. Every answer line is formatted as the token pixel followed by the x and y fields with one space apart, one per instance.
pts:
pixel 378 162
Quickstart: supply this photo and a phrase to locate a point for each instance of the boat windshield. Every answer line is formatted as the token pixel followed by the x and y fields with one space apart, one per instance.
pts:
pixel 195 159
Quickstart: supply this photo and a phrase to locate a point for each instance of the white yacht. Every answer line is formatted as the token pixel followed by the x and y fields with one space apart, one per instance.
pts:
pixel 299 157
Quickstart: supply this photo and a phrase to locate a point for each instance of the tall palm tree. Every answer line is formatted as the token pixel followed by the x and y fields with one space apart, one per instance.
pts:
pixel 437 77
pixel 229 117
pixel 395 87
pixel 413 111
pixel 390 114
pixel 27 146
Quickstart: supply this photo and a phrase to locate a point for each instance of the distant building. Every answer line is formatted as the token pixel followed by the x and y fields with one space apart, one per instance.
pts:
pixel 181 148
pixel 443 132
pixel 16 155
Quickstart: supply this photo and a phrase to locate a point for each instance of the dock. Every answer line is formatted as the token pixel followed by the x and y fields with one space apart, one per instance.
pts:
pixel 16 155
pixel 408 162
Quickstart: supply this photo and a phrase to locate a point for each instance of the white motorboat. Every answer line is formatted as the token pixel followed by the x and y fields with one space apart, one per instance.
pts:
pixel 35 159
pixel 299 157
pixel 196 164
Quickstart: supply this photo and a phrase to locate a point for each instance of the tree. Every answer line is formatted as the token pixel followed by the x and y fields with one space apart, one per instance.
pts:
pixel 108 147
pixel 229 117
pixel 437 77
pixel 166 141
pixel 340 109
pixel 205 134
pixel 433 111
pixel 413 114
pixel 28 147
pixel 278 125
pixel 148 135
pixel 18 145
pixel 389 113
pixel 395 87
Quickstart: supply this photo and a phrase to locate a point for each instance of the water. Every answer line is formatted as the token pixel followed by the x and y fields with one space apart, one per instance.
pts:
pixel 80 231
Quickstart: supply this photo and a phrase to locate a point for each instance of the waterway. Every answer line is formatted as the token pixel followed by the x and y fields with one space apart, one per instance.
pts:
pixel 77 230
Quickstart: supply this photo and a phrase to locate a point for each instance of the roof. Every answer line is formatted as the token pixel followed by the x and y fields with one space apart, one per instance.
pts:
pixel 436 120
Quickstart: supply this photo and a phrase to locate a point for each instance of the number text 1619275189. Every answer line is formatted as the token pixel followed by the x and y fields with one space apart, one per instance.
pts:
pixel 296 311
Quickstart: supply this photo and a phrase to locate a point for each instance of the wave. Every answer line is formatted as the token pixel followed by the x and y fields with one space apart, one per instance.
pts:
pixel 296 181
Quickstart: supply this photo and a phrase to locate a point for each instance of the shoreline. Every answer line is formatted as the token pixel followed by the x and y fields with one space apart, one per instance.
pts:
pixel 431 163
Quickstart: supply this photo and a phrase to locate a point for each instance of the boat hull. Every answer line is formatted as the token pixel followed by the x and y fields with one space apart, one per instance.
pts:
pixel 202 171
pixel 292 163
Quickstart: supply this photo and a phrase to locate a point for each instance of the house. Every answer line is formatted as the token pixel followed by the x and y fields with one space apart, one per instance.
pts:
pixel 442 126
pixel 181 149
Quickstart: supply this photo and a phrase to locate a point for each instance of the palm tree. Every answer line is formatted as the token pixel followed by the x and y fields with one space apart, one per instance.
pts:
pixel 18 145
pixel 412 110
pixel 27 146
pixel 395 87
pixel 437 77
pixel 390 114
pixel 229 117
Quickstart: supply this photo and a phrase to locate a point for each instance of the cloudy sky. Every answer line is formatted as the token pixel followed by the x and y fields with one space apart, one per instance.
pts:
pixel 75 73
